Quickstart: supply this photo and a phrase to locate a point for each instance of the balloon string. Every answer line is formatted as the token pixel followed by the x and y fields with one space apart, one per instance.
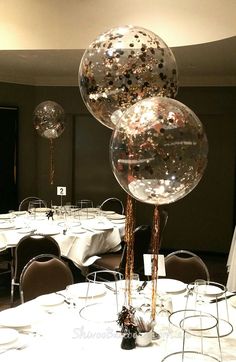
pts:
pixel 129 239
pixel 155 245
pixel 51 173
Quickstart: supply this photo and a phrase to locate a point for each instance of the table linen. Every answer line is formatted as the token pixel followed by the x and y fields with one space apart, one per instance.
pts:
pixel 96 236
pixel 60 332
pixel 231 265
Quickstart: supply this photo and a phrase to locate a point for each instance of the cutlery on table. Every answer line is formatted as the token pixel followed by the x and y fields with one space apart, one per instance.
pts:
pixel 215 300
pixel 110 288
pixel 14 348
pixel 87 229
pixel 141 287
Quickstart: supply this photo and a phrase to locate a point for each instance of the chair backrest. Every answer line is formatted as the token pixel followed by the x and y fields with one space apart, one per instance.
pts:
pixel 44 274
pixel 113 204
pixel 31 246
pixel 23 206
pixel 142 237
pixel 185 266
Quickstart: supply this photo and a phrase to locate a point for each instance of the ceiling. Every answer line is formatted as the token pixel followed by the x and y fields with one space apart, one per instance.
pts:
pixel 41 43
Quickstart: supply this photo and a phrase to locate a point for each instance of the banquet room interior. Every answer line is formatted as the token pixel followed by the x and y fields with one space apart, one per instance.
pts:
pixel 41 45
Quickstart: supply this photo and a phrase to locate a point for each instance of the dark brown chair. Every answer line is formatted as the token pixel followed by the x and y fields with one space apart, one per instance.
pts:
pixel 113 204
pixel 27 248
pixel 44 274
pixel 23 206
pixel 5 265
pixel 185 266
pixel 117 261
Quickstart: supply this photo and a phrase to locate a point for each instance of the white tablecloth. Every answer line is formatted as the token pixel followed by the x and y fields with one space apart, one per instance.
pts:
pixel 82 248
pixel 65 334
pixel 231 265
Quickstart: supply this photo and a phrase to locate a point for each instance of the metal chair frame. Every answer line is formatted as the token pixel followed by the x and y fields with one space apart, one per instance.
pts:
pixel 22 255
pixel 191 255
pixel 49 263
pixel 115 199
pixel 27 200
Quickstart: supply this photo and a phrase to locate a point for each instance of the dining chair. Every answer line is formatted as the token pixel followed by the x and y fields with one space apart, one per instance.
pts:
pixel 28 247
pixel 5 265
pixel 113 204
pixel 117 261
pixel 23 206
pixel 43 274
pixel 185 266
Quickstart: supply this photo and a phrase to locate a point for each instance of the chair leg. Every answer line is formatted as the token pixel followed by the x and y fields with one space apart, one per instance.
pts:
pixel 12 292
pixel 21 297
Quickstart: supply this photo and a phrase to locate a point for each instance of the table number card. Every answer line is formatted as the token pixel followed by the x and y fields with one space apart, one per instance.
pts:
pixel 147 260
pixel 61 190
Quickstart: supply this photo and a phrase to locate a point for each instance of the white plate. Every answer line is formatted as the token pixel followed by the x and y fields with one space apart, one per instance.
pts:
pixel 49 232
pixel 86 290
pixel 8 335
pixel 102 227
pixel 99 312
pixel 42 209
pixel 93 209
pixel 6 216
pixel 106 212
pixel 68 224
pixel 116 217
pixel 78 231
pixel 25 231
pixel 118 222
pixel 209 290
pixel 19 213
pixel 7 225
pixel 50 300
pixel 15 318
pixel 170 286
pixel 232 301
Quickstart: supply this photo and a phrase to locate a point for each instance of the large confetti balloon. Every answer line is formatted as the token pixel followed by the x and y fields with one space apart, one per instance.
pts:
pixel 49 119
pixel 158 150
pixel 123 66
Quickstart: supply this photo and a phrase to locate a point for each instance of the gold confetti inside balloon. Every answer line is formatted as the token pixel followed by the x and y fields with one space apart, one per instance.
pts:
pixel 49 119
pixel 158 150
pixel 123 66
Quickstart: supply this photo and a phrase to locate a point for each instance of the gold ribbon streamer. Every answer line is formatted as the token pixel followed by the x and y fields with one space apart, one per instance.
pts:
pixel 129 239
pixel 52 171
pixel 155 245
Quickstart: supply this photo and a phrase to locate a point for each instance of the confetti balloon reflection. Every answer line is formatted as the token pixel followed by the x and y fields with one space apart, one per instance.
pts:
pixel 123 66
pixel 158 150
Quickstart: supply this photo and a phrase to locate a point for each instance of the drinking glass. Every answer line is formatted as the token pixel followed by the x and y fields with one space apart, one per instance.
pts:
pixel 200 289
pixel 84 206
pixel 34 205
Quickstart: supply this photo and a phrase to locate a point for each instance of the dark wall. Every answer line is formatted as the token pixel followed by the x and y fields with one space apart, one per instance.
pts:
pixel 203 220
